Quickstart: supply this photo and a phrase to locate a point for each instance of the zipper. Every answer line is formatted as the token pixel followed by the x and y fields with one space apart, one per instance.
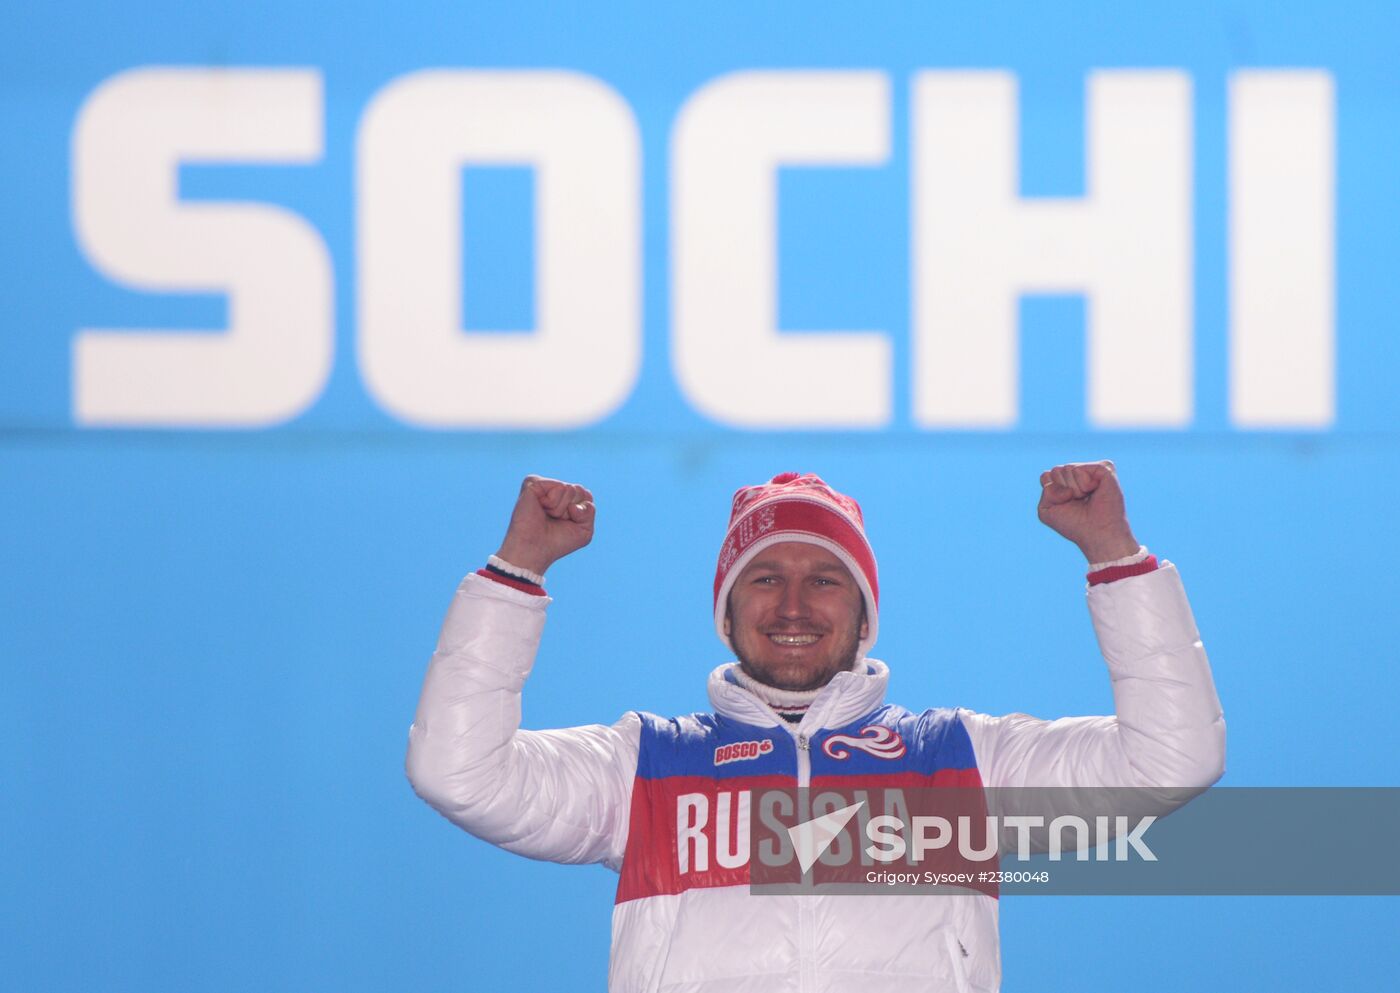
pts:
pixel 806 912
pixel 806 943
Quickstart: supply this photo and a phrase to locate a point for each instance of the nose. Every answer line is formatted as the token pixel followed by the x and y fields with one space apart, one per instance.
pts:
pixel 793 604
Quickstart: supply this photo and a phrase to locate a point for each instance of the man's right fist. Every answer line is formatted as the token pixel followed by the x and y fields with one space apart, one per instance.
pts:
pixel 551 519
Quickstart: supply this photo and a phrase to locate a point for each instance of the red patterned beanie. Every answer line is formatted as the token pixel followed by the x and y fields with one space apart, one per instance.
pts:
pixel 793 507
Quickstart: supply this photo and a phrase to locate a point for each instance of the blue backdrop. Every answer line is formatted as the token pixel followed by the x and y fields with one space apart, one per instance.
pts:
pixel 215 633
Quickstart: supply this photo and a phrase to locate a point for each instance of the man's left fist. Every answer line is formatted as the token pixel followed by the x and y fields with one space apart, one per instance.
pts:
pixel 1083 502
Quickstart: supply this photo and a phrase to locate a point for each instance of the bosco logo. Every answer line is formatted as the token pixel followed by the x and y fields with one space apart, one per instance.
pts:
pixel 741 750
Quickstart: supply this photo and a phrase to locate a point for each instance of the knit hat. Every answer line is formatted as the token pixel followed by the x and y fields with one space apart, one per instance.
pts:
pixel 793 507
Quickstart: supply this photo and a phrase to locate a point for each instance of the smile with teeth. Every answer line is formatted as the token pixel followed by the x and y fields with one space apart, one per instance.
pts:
pixel 793 640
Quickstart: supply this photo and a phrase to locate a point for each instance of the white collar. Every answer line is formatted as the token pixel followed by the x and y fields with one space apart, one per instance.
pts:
pixel 849 695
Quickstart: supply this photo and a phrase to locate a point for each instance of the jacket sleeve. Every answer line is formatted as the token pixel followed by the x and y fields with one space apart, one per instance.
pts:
pixel 1167 731
pixel 561 795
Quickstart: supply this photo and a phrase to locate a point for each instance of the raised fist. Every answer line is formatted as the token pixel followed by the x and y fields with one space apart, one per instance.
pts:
pixel 1083 502
pixel 551 519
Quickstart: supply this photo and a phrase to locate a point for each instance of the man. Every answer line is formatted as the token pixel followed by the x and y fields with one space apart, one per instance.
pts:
pixel 797 600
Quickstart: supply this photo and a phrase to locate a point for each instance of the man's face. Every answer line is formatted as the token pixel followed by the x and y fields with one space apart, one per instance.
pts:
pixel 795 617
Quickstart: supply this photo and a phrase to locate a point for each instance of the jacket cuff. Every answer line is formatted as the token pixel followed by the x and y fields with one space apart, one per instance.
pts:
pixel 1108 572
pixel 514 582
pixel 492 627
pixel 1143 618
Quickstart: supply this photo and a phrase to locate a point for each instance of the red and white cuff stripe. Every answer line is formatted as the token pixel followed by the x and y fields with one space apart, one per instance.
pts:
pixel 498 570
pixel 1137 564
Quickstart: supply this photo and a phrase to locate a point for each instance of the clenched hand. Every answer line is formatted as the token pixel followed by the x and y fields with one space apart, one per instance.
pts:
pixel 551 519
pixel 1084 503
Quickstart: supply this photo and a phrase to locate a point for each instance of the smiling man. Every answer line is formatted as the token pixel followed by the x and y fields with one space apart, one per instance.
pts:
pixel 666 802
pixel 795 617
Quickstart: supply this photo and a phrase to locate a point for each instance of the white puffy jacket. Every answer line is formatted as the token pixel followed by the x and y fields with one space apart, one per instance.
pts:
pixel 568 795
